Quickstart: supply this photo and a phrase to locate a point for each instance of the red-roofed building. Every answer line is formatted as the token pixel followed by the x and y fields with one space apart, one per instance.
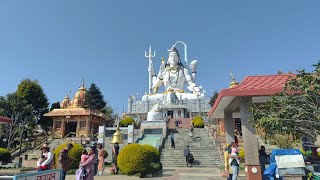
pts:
pixel 4 120
pixel 258 87
pixel 233 105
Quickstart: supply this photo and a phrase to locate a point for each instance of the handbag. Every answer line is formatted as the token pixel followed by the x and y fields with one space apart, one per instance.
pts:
pixel 225 173
pixel 84 173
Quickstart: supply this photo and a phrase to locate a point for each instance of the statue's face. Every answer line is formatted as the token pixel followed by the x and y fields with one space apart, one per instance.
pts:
pixel 173 59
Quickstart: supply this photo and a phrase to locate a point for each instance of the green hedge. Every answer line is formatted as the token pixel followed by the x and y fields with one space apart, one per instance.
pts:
pixel 5 155
pixel 198 122
pixel 126 121
pixel 153 152
pixel 74 153
pixel 136 159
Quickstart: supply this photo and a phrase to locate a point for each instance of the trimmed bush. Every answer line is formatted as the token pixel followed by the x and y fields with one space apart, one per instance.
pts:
pixel 155 167
pixel 241 154
pixel 5 155
pixel 198 122
pixel 126 121
pixel 134 159
pixel 153 152
pixel 74 153
pixel 309 153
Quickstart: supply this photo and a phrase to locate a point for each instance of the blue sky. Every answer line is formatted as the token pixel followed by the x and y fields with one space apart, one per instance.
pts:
pixel 55 42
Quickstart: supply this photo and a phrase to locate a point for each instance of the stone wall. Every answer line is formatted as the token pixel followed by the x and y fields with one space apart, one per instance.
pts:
pixel 154 125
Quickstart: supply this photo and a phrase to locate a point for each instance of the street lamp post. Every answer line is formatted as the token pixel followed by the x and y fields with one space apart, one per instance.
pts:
pixel 27 140
pixel 5 141
pixel 26 148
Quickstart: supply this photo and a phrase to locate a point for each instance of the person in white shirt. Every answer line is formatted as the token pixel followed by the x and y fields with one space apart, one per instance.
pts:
pixel 48 157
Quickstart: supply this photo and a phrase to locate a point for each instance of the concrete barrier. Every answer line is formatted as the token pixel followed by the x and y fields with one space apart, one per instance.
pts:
pixel 41 175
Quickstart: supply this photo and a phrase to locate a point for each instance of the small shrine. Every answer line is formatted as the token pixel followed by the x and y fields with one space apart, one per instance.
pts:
pixel 73 119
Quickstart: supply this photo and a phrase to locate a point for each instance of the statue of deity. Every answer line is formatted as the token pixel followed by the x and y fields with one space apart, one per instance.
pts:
pixel 173 75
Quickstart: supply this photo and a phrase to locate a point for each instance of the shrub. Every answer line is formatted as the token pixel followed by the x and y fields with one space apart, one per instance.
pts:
pixel 134 159
pixel 5 155
pixel 198 122
pixel 154 153
pixel 125 122
pixel 309 153
pixel 74 153
pixel 155 167
pixel 241 154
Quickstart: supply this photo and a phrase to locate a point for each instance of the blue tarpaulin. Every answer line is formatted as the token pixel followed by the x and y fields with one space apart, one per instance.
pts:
pixel 270 172
pixel 279 152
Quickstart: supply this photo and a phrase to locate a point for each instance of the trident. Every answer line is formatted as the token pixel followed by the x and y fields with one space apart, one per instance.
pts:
pixel 150 68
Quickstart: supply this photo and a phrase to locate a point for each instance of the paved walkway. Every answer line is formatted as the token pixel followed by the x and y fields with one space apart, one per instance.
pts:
pixel 172 174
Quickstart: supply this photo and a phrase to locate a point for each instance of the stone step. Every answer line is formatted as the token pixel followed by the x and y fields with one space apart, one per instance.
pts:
pixel 203 150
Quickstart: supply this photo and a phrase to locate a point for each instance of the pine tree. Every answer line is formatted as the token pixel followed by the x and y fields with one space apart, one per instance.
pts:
pixel 213 98
pixel 94 98
pixel 55 105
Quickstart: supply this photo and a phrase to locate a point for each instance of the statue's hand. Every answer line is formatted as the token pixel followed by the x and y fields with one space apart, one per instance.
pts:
pixel 193 65
pixel 197 90
pixel 155 89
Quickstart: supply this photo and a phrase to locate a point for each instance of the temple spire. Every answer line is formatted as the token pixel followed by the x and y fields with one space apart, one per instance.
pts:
pixel 233 83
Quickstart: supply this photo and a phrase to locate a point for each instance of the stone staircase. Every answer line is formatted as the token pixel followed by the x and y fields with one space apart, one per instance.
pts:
pixel 204 152
pixel 183 123
pixel 53 143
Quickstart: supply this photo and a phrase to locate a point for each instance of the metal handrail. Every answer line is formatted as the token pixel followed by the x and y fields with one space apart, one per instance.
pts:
pixel 69 135
pixel 43 140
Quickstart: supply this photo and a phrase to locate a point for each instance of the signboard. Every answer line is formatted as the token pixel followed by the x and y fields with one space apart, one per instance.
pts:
pixel 130 134
pixel 101 135
pixel 40 175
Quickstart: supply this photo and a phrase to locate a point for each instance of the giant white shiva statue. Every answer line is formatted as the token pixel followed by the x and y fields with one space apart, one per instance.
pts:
pixel 174 76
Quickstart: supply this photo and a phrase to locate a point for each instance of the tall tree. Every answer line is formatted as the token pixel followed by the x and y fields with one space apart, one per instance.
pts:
pixel 94 98
pixel 19 111
pixel 213 98
pixel 294 111
pixel 55 105
pixel 32 92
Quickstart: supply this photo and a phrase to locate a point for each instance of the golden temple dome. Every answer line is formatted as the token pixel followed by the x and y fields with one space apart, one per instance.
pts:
pixel 65 102
pixel 79 97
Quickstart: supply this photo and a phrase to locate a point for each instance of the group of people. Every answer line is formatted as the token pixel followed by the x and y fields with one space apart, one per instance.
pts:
pixel 91 163
pixel 173 145
pixel 46 160
pixel 232 160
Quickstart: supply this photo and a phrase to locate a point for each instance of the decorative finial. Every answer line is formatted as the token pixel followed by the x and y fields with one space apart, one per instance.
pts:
pixel 233 82
pixel 82 81
pixel 162 60
pixel 69 93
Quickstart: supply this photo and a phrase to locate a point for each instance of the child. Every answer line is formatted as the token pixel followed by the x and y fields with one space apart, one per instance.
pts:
pixel 191 159
pixel 234 152
pixel 41 160
pixel 84 156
